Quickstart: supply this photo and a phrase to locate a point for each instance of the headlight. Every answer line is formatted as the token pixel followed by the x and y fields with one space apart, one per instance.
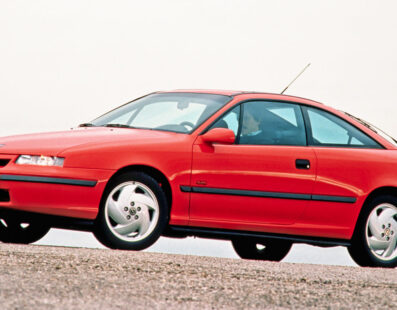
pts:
pixel 40 160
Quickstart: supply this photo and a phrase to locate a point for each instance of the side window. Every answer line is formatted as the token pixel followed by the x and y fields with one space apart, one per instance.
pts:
pixel 272 123
pixel 330 130
pixel 229 121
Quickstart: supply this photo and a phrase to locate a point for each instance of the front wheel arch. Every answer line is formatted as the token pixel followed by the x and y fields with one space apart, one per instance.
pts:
pixel 133 212
pixel 152 172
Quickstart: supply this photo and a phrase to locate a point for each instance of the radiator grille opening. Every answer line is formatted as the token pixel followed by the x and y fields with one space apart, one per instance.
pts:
pixel 4 195
pixel 4 162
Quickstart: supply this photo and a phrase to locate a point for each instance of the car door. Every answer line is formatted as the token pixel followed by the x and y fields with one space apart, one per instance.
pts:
pixel 266 177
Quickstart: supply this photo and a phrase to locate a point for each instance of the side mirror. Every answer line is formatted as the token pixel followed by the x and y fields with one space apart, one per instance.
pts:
pixel 219 135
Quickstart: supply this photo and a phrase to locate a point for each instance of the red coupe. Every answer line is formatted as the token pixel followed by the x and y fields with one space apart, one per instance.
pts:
pixel 262 170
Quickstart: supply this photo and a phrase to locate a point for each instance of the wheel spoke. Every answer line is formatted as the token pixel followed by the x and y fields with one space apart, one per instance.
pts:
pixel 143 199
pixel 144 221
pixel 132 211
pixel 125 194
pixel 391 248
pixel 375 226
pixel 377 244
pixel 115 212
pixel 127 229
pixel 387 216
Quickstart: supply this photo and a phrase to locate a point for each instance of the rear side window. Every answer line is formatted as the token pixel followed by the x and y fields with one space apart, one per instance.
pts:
pixel 330 130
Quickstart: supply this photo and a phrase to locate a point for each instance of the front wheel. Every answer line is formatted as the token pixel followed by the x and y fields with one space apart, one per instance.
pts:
pixel 133 212
pixel 374 243
pixel 262 249
pixel 15 230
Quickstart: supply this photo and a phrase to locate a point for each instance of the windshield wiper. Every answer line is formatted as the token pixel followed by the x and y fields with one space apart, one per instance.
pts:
pixel 118 125
pixel 86 125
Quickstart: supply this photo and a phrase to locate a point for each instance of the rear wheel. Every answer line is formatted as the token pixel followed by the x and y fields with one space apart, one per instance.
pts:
pixel 263 249
pixel 374 243
pixel 15 230
pixel 133 212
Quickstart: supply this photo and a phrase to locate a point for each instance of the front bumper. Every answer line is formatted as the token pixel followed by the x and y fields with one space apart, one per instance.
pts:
pixel 68 192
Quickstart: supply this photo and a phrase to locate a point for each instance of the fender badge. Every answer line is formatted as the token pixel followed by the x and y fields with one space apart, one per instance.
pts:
pixel 1 145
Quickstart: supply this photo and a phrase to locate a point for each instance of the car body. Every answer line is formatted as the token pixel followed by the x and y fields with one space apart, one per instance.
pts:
pixel 313 176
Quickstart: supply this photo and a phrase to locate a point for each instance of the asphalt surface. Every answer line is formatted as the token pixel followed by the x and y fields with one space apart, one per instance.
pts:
pixel 44 277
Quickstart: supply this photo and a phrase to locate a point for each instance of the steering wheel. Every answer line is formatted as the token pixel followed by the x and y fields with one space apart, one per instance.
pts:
pixel 187 124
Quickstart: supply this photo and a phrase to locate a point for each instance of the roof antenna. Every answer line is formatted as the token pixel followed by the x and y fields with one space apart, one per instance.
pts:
pixel 304 69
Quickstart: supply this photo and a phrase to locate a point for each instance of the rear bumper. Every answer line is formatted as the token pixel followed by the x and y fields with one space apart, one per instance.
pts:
pixel 68 192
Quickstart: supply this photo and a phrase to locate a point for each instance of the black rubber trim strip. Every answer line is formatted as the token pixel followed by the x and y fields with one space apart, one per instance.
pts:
pixel 334 198
pixel 225 234
pixel 51 180
pixel 185 189
pixel 238 192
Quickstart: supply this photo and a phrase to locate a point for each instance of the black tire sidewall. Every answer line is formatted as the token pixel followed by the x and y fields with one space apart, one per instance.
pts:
pixel 14 233
pixel 103 233
pixel 359 250
pixel 275 250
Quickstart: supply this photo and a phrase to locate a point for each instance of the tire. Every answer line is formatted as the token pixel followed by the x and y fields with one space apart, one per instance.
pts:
pixel 263 249
pixel 14 230
pixel 133 212
pixel 374 242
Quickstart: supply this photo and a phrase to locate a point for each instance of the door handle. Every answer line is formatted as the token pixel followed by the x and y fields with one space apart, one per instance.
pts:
pixel 302 164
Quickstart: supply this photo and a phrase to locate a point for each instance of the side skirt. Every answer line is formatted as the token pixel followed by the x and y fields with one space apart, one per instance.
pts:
pixel 185 231
pixel 173 231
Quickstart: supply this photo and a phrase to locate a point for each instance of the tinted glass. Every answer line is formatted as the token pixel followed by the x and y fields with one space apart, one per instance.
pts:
pixel 229 121
pixel 374 128
pixel 178 112
pixel 272 123
pixel 330 130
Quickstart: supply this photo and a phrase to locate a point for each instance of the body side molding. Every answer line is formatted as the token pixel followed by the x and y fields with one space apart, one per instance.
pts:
pixel 239 192
pixel 50 180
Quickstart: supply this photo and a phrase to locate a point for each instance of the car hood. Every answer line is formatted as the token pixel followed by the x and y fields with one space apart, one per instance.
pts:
pixel 53 143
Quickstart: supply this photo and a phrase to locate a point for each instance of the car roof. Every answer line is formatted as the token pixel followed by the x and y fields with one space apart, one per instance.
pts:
pixel 205 91
pixel 245 95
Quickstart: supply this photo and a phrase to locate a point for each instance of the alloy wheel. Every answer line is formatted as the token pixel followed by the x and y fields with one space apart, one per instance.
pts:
pixel 381 232
pixel 131 211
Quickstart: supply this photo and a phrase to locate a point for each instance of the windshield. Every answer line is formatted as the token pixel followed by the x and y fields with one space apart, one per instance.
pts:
pixel 177 112
pixel 374 129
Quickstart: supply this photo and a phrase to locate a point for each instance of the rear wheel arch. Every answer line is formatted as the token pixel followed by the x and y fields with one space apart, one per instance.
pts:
pixel 380 191
pixel 376 253
pixel 386 190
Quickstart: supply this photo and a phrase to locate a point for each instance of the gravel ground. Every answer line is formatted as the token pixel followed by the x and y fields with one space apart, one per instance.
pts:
pixel 43 277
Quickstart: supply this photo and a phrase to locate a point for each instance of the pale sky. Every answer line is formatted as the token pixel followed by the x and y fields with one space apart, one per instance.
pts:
pixel 65 62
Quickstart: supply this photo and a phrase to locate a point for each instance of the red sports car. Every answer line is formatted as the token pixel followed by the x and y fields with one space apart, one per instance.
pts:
pixel 262 170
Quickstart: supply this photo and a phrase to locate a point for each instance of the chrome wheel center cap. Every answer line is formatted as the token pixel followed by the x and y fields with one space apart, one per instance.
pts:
pixel 387 232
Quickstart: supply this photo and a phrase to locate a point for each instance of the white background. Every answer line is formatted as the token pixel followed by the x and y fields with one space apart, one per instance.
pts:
pixel 65 62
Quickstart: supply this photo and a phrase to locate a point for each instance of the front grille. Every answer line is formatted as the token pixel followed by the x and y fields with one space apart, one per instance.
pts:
pixel 4 162
pixel 4 195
